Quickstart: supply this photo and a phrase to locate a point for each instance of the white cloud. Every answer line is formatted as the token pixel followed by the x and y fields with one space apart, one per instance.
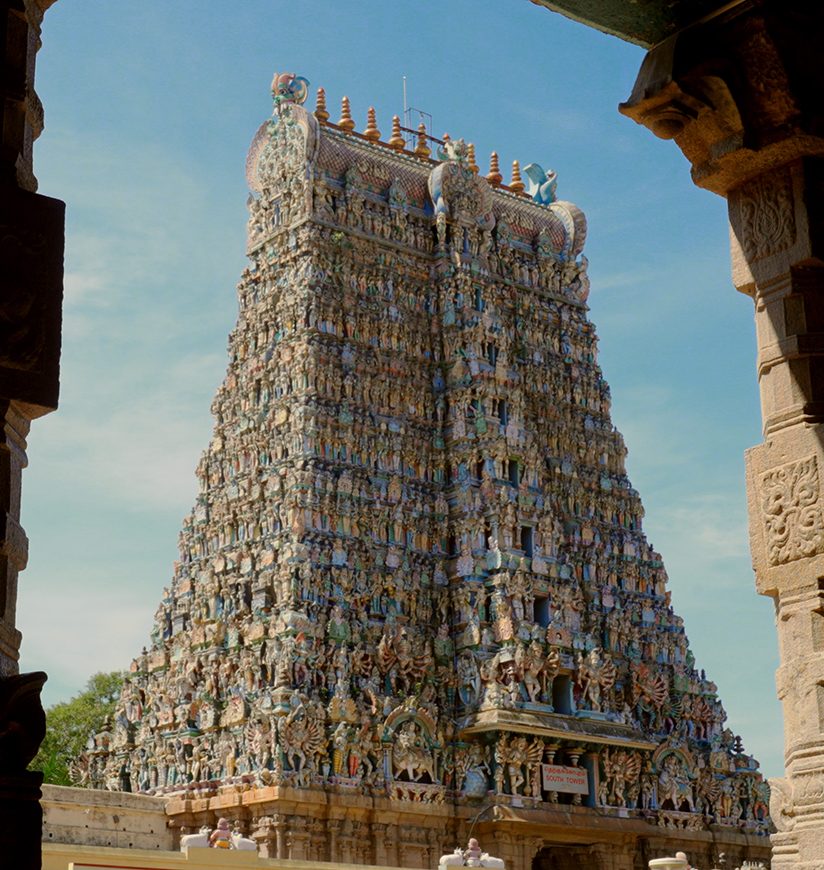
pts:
pixel 712 526
pixel 142 443
pixel 621 280
pixel 80 631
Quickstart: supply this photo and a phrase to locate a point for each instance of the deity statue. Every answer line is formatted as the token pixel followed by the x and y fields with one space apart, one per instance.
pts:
pixel 596 674
pixel 674 785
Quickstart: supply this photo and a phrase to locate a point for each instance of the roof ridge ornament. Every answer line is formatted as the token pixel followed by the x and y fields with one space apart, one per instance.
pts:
pixel 455 150
pixel 289 88
pixel 541 185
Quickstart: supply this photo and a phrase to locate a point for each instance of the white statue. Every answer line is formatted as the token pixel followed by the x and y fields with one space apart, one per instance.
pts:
pixel 472 856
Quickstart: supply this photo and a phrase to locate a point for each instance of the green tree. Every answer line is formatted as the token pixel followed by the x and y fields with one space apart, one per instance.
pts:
pixel 69 724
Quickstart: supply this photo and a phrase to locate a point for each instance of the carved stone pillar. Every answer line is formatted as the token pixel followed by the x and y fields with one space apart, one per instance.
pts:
pixel 270 835
pixel 385 838
pixel 31 288
pixel 504 845
pixel 299 839
pixel 434 850
pixel 333 829
pixel 740 94
pixel 600 856
pixel 775 259
pixel 530 847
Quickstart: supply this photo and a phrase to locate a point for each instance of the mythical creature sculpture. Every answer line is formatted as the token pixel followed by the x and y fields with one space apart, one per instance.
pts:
pixel 457 192
pixel 289 88
pixel 541 185
pixel 410 755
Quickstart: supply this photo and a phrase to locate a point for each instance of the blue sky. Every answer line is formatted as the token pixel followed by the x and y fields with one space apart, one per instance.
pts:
pixel 150 108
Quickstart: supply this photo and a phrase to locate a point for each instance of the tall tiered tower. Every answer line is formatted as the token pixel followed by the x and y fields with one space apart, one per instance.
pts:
pixel 414 595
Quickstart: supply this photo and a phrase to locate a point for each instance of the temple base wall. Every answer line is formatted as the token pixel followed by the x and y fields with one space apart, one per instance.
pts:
pixel 62 857
pixel 104 818
pixel 321 828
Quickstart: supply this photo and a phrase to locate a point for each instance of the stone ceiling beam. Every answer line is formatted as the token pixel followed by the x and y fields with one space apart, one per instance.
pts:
pixel 643 22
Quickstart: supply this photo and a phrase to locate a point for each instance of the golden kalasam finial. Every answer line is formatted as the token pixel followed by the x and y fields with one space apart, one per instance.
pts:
pixel 516 185
pixel 346 122
pixel 320 107
pixel 494 175
pixel 372 133
pixel 422 149
pixel 396 141
pixel 470 158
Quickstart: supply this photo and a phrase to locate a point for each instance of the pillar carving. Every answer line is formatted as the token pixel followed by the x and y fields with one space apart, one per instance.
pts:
pixel 333 832
pixel 738 95
pixel 385 838
pixel 607 856
pixel 31 286
pixel 299 840
pixel 270 835
pixel 530 847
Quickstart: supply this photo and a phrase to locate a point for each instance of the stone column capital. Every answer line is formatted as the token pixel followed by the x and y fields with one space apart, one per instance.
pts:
pixel 738 92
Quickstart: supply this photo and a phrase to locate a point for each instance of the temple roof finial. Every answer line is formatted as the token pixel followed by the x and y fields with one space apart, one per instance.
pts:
pixel 470 158
pixel 372 133
pixel 421 148
pixel 516 185
pixel 396 141
pixel 320 106
pixel 494 175
pixel 346 122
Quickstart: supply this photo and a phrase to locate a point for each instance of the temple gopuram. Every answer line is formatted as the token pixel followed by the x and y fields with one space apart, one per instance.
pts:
pixel 414 599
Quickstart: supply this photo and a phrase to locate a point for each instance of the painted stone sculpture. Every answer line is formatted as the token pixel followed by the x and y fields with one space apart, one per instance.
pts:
pixel 414 531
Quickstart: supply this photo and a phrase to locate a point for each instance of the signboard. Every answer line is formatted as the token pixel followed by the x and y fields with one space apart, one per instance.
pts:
pixel 571 780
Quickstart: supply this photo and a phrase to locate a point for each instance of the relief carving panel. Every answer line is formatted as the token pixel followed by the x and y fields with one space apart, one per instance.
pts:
pixel 790 508
pixel 766 214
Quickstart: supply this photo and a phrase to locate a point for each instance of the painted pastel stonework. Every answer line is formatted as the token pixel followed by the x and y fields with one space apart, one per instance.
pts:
pixel 415 577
